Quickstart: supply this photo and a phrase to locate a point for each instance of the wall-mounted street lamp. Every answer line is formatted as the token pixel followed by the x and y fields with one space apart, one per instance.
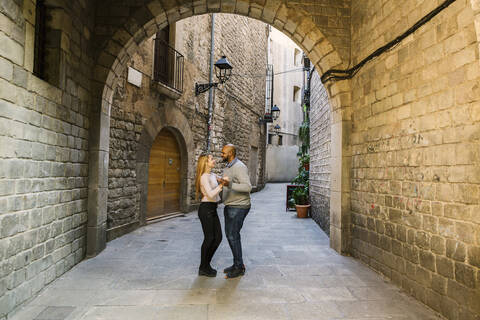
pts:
pixel 270 116
pixel 275 112
pixel 223 71
pixel 276 130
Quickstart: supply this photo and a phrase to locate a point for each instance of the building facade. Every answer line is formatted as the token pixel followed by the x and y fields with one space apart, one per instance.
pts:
pixel 152 162
pixel 286 59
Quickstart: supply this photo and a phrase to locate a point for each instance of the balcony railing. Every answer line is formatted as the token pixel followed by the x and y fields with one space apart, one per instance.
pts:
pixel 168 66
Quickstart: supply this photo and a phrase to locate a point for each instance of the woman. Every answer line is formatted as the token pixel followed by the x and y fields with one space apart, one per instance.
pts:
pixel 206 183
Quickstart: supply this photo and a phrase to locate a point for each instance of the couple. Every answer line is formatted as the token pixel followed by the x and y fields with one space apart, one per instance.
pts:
pixel 236 197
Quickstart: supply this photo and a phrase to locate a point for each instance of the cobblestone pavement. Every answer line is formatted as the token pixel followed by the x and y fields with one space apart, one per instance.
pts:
pixel 291 274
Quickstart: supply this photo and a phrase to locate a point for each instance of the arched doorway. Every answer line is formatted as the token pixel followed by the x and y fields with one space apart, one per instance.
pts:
pixel 164 176
pixel 297 23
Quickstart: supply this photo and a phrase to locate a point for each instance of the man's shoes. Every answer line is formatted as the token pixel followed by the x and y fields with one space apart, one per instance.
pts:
pixel 207 272
pixel 235 272
pixel 229 269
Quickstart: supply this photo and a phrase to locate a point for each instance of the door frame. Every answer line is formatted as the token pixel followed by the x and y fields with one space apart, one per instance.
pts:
pixel 171 118
pixel 177 209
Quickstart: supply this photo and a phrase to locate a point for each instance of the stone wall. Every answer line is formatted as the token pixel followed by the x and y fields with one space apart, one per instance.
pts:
pixel 237 106
pixel 43 149
pixel 415 144
pixel 320 144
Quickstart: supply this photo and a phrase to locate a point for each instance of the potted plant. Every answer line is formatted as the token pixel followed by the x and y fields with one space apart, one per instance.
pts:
pixel 300 197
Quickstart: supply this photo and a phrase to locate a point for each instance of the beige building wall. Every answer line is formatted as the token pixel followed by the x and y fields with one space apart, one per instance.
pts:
pixel 287 60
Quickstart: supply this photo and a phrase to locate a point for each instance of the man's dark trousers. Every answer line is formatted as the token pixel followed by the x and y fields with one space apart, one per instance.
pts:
pixel 234 217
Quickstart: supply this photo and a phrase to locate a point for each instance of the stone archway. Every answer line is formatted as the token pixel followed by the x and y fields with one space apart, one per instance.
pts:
pixel 171 118
pixel 124 39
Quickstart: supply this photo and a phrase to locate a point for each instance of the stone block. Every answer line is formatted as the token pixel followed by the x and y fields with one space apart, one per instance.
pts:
pixel 445 267
pixel 438 245
pixel 456 250
pixel 19 76
pixel 427 260
pixel 439 284
pixel 6 69
pixel 465 274
pixel 11 49
pixel 474 256
pixel 9 225
pixel 7 303
pixel 446 228
pixel 422 240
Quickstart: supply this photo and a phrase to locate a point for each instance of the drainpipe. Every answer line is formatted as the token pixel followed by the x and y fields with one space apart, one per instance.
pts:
pixel 210 80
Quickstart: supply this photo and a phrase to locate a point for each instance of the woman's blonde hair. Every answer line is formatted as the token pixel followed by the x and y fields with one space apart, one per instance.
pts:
pixel 201 169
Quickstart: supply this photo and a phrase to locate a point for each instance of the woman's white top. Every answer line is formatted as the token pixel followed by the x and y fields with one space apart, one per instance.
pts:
pixel 210 187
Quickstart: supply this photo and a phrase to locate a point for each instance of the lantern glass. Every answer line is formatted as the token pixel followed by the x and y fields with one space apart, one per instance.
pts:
pixel 275 112
pixel 223 69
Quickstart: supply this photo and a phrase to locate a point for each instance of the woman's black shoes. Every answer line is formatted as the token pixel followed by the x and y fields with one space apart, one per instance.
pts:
pixel 207 272
pixel 235 272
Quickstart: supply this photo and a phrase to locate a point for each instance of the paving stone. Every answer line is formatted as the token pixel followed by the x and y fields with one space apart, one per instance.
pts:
pixel 55 313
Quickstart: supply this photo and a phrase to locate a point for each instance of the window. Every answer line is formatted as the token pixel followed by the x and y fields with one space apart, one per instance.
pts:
pixel 296 94
pixel 297 57
pixel 280 140
pixel 39 41
pixel 270 138
pixel 168 62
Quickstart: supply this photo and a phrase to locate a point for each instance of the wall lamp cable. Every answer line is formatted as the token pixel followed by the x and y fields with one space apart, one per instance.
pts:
pixel 337 74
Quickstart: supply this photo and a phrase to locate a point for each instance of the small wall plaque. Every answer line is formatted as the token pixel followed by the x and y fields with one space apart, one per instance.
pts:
pixel 134 77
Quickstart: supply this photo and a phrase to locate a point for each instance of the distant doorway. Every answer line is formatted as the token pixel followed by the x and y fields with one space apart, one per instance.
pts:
pixel 164 176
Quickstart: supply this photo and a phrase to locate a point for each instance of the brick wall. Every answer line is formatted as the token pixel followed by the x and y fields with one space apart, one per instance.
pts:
pixel 43 151
pixel 415 141
pixel 320 140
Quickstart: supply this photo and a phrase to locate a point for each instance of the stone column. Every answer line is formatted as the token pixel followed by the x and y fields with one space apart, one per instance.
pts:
pixel 340 213
pixel 99 141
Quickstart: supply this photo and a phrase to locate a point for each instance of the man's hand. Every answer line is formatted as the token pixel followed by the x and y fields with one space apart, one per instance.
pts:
pixel 226 181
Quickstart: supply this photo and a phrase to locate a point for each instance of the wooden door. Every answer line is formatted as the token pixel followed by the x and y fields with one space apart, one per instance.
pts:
pixel 164 176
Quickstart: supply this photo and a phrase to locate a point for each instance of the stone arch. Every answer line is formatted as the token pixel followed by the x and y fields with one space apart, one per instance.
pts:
pixel 171 118
pixel 154 15
pixel 475 5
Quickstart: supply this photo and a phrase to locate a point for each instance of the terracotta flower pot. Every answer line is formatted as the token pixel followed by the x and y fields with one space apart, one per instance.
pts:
pixel 307 166
pixel 302 210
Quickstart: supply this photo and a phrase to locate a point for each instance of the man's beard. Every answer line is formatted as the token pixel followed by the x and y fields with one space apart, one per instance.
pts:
pixel 224 159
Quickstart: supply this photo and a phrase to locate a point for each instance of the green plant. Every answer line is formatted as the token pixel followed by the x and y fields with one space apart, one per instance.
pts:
pixel 302 177
pixel 304 159
pixel 300 196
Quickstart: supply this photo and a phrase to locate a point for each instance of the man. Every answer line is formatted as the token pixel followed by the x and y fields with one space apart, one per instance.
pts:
pixel 236 197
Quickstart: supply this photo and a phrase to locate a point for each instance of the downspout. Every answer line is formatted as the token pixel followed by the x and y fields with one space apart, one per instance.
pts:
pixel 210 80
pixel 265 127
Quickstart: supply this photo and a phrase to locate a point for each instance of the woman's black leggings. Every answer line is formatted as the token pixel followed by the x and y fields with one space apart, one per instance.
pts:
pixel 212 231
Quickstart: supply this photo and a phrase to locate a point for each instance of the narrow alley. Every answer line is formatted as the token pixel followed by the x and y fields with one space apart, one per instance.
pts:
pixel 292 273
